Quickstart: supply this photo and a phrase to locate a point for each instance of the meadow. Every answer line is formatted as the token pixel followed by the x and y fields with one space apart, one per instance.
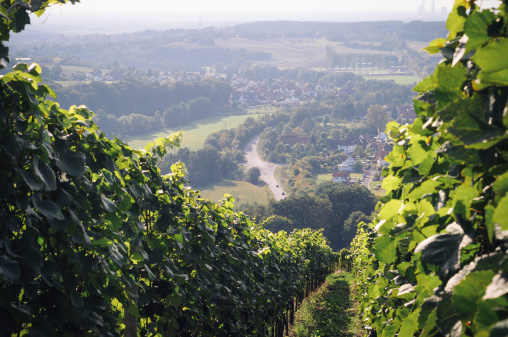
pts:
pixel 243 192
pixel 195 133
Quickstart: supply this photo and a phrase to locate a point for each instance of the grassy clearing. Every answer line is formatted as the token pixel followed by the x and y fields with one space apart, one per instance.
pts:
pixel 399 79
pixel 67 83
pixel 243 192
pixel 70 69
pixel 330 311
pixel 195 133
pixel 377 191
pixel 322 177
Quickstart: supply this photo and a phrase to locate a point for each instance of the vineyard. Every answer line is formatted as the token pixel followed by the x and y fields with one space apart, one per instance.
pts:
pixel 434 261
pixel 94 241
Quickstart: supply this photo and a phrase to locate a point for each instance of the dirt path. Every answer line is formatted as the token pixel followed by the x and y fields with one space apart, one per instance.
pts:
pixel 267 169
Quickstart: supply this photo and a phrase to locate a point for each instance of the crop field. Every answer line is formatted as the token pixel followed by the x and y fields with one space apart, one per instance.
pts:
pixel 293 52
pixel 243 192
pixel 195 133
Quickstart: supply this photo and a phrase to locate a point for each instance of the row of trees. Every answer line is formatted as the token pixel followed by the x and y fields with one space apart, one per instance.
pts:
pixel 131 106
pixel 357 61
pixel 332 206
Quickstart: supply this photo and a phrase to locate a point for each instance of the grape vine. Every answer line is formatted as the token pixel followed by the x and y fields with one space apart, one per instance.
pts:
pixel 94 241
pixel 434 262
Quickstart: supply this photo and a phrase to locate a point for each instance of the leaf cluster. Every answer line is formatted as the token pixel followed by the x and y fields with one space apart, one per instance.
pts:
pixel 434 261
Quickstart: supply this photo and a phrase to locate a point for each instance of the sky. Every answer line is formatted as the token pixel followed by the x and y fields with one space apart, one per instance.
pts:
pixel 244 6
pixel 110 16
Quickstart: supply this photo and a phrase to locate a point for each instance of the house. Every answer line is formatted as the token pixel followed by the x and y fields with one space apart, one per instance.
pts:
pixel 341 177
pixel 347 165
pixel 348 146
pixel 407 112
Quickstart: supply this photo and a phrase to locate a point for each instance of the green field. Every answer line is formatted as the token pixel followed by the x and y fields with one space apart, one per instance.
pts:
pixel 399 79
pixel 243 192
pixel 195 133
pixel 293 52
pixel 378 192
pixel 321 177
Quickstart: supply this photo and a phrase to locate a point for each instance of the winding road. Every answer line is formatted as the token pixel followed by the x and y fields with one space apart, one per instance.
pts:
pixel 267 169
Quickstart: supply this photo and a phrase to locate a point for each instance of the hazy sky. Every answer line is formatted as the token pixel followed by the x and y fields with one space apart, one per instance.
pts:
pixel 109 16
pixel 245 6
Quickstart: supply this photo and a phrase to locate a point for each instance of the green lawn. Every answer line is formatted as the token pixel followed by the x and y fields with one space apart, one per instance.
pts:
pixel 378 192
pixel 195 133
pixel 242 191
pixel 321 177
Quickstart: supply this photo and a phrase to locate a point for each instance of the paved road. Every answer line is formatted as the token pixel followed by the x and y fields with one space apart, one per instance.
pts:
pixel 267 169
pixel 368 179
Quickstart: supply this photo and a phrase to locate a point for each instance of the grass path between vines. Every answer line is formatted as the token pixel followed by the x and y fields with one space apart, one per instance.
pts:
pixel 330 311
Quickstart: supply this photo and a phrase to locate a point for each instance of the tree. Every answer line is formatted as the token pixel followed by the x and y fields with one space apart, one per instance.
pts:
pixel 358 166
pixel 277 223
pixel 326 120
pixel 252 175
pixel 350 225
pixel 344 200
pixel 377 118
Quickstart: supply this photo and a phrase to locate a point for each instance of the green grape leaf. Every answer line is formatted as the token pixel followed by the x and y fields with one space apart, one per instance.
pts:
pixel 498 287
pixel 493 63
pixel 500 215
pixel 447 320
pixel 427 84
pixel 71 162
pixel 435 46
pixel 136 258
pixel 109 206
pixel 410 324
pixel 9 269
pixel 442 250
pixel 385 249
pixel 469 292
pixel 30 179
pixel 46 174
pixel 427 187
pixel 390 209
pixel 500 329
pixel 48 208
pixel 103 242
pixel 456 19
pixel 476 29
